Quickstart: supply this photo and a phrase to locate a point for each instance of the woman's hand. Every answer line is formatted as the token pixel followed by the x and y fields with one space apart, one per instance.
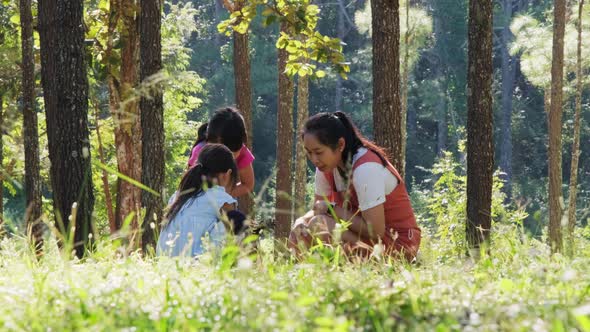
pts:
pixel 321 207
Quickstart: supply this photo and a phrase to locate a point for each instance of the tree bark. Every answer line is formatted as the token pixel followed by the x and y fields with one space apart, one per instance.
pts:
pixel 405 86
pixel 152 120
pixel 244 99
pixel 301 157
pixel 31 136
pixel 341 33
pixel 556 204
pixel 387 113
pixel 480 150
pixel 124 106
pixel 108 200
pixel 508 76
pixel 441 125
pixel 285 132
pixel 65 90
pixel 1 164
pixel 576 144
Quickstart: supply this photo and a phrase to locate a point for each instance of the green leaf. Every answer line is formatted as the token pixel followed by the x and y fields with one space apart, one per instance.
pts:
pixel 15 19
pixel 320 73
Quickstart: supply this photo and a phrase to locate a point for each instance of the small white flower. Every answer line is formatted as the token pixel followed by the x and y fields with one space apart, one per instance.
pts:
pixel 569 275
pixel 152 225
pixel 89 236
pixel 245 264
pixel 85 152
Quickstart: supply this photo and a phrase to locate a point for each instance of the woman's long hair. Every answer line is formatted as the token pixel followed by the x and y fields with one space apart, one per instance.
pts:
pixel 213 160
pixel 330 127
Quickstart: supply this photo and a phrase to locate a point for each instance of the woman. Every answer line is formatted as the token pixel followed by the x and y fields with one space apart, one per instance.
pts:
pixel 355 181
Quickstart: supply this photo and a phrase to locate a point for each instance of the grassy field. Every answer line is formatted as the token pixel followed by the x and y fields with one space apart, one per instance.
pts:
pixel 518 286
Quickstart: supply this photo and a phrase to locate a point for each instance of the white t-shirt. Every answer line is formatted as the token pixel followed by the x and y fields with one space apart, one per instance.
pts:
pixel 372 182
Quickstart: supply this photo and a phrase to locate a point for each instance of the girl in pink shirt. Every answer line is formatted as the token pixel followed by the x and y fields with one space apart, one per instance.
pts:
pixel 227 127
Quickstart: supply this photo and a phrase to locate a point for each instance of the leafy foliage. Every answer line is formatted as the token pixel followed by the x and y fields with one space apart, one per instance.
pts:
pixel 534 42
pixel 443 208
pixel 300 39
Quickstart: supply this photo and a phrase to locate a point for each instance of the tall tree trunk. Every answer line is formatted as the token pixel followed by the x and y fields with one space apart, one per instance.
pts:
pixel 300 155
pixel 283 209
pixel 442 126
pixel 341 33
pixel 65 90
pixel 1 164
pixel 108 200
pixel 31 136
pixel 387 113
pixel 508 76
pixel 152 120
pixel 244 98
pixel 576 145
pixel 555 115
pixel 124 106
pixel 480 150
pixel 405 85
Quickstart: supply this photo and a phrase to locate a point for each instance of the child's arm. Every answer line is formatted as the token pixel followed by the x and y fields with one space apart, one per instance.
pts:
pixel 246 185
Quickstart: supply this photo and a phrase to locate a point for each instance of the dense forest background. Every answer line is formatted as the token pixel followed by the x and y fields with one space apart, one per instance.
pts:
pixel 198 61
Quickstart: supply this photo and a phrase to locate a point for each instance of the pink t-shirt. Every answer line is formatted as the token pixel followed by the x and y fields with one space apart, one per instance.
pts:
pixel 244 159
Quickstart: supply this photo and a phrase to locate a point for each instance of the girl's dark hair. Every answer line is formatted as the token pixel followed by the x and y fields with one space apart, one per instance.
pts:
pixel 213 160
pixel 201 134
pixel 227 127
pixel 330 127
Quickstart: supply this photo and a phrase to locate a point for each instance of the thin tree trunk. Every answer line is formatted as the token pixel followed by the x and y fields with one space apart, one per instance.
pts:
pixel 442 127
pixel 2 165
pixel 283 209
pixel 576 145
pixel 508 76
pixel 124 106
pixel 105 175
pixel 152 120
pixel 387 113
pixel 555 172
pixel 480 150
pixel 301 158
pixel 244 99
pixel 65 90
pixel 405 86
pixel 341 33
pixel 31 136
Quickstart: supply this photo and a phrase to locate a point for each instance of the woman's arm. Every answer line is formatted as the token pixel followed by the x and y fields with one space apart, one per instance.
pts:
pixel 246 185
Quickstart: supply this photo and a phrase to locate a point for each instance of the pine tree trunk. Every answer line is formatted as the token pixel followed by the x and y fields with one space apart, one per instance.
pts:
pixel 124 106
pixel 441 124
pixel 152 120
pixel 387 113
pixel 31 136
pixel 508 76
pixel 480 149
pixel 65 90
pixel 301 157
pixel 405 86
pixel 340 33
pixel 576 144
pixel 283 209
pixel 108 200
pixel 1 164
pixel 244 99
pixel 555 114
